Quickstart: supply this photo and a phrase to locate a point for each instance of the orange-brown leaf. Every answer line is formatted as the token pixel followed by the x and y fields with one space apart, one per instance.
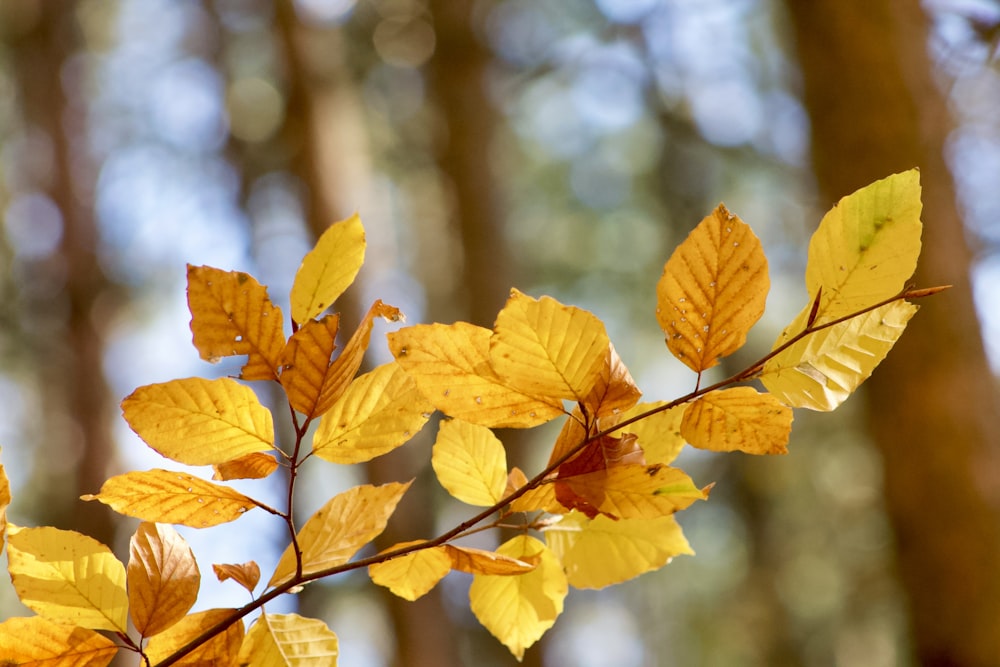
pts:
pixel 305 363
pixel 257 465
pixel 629 492
pixel 615 390
pixel 479 561
pixel 220 650
pixel 231 314
pixel 738 419
pixel 39 642
pixel 603 453
pixel 163 578
pixel 246 574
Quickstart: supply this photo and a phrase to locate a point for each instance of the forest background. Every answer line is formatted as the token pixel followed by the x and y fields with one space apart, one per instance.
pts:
pixel 563 147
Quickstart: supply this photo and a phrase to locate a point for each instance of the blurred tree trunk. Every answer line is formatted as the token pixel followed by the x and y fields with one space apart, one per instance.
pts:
pixel 875 110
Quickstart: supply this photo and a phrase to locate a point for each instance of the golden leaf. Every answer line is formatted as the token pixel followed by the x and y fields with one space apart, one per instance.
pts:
pixel 305 363
pixel 246 575
pixel 39 642
pixel 68 577
pixel 347 522
pixel 172 497
pixel 5 499
pixel 200 422
pixel 163 578
pixel 257 465
pixel 541 498
pixel 231 314
pixel 738 419
pixel 479 561
pixel 222 649
pixel 328 269
pixel 629 492
pixel 545 348
pixel 712 290
pixel 470 462
pixel 518 610
pixel 412 575
pixel 659 434
pixel 289 639
pixel 451 366
pixel 614 391
pixel 379 412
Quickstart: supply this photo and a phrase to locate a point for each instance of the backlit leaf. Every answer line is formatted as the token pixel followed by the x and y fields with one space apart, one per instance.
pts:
pixel 231 314
pixel 380 411
pixel 39 642
pixel 163 578
pixel 172 497
pixel 629 492
pixel 451 366
pixel 222 649
pixel 548 349
pixel 68 577
pixel 328 269
pixel 712 290
pixel 479 561
pixel 200 422
pixel 347 522
pixel 659 434
pixel 246 574
pixel 470 462
pixel 820 371
pixel 600 552
pixel 518 610
pixel 305 363
pixel 412 575
pixel 615 390
pixel 5 499
pixel 257 465
pixel 738 419
pixel 541 498
pixel 289 640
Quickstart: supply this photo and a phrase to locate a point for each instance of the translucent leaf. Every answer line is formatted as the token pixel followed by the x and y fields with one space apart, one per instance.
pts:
pixel 541 498
pixel 479 561
pixel 68 577
pixel 470 462
pixel 257 465
pixel 820 371
pixel 39 642
pixel 172 497
pixel 712 290
pixel 5 499
pixel 451 366
pixel 659 434
pixel 231 314
pixel 548 349
pixel 163 578
pixel 412 575
pixel 738 419
pixel 200 422
pixel 380 411
pixel 614 391
pixel 305 363
pixel 222 649
pixel 328 269
pixel 246 574
pixel 629 492
pixel 518 610
pixel 347 522
pixel 280 640
pixel 600 552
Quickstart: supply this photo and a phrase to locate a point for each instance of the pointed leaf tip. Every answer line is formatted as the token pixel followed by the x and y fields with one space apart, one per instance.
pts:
pixel 328 269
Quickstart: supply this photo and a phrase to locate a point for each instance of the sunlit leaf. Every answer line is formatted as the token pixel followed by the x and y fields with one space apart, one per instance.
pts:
pixel 5 499
pixel 289 640
pixel 738 419
pixel 68 577
pixel 659 434
pixel 328 269
pixel 172 497
pixel 470 462
pixel 347 522
pixel 614 391
pixel 479 561
pixel 518 610
pixel 451 366
pixel 820 371
pixel 412 575
pixel 545 348
pixel 200 422
pixel 305 363
pixel 629 492
pixel 246 574
pixel 604 452
pixel 163 578
pixel 541 498
pixel 257 465
pixel 600 552
pixel 222 649
pixel 39 642
pixel 380 411
pixel 231 314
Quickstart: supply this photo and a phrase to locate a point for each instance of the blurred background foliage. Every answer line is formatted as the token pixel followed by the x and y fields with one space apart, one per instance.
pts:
pixel 563 147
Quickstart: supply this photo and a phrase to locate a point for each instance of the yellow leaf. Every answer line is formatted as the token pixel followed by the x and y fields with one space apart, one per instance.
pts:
pixel 541 498
pixel 172 497
pixel 200 422
pixel 712 290
pixel 545 348
pixel 347 522
pixel 518 610
pixel 820 371
pixel 451 366
pixel 470 462
pixel 289 640
pixel 380 411
pixel 38 642
pixel 571 435
pixel 328 269
pixel 246 575
pixel 68 577
pixel 305 363
pixel 231 314
pixel 412 575
pixel 5 499
pixel 615 390
pixel 634 491
pixel 659 434
pixel 163 578
pixel 222 649
pixel 478 561
pixel 257 465
pixel 738 419
pixel 600 552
